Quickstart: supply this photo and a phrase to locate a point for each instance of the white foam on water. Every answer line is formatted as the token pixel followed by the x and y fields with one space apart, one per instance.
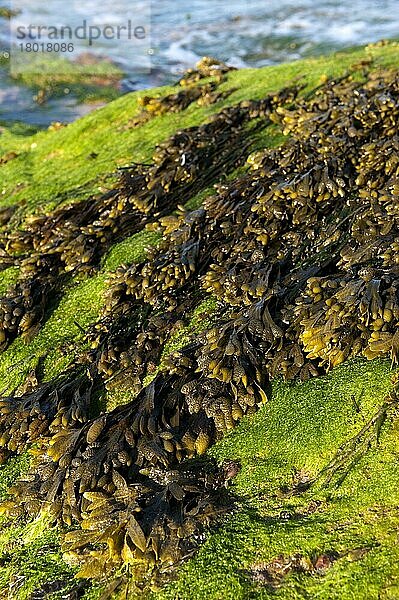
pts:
pixel 347 32
pixel 177 53
pixel 237 62
pixel 294 24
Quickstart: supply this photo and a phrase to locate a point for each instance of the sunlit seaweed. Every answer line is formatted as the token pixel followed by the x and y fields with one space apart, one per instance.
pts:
pixel 193 89
pixel 204 95
pixel 206 67
pixel 38 413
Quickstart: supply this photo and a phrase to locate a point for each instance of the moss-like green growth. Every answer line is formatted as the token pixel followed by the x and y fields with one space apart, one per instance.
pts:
pixel 58 341
pixel 130 250
pixel 349 523
pixel 30 554
pixel 9 473
pixel 31 562
pixel 8 278
pixel 18 128
pixel 56 76
pixel 197 200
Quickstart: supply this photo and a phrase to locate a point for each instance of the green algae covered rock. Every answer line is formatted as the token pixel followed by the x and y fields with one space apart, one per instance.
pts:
pixel 133 340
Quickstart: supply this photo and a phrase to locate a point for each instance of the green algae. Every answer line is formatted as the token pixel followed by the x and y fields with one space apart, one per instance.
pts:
pixel 90 80
pixel 295 435
pixel 58 341
pixel 9 472
pixel 300 430
pixel 130 250
pixel 197 200
pixel 57 76
pixel 31 560
pixel 30 554
pixel 7 278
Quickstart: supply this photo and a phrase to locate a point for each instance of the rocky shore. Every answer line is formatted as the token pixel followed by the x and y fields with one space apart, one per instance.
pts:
pixel 199 339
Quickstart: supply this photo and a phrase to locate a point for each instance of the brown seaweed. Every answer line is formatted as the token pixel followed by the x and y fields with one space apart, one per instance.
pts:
pixel 63 402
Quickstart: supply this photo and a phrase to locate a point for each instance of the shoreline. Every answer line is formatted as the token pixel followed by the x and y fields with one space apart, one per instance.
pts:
pixel 143 279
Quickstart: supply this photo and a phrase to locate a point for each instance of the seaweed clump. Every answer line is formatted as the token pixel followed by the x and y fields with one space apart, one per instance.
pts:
pixel 300 254
pixel 193 89
pixel 45 409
